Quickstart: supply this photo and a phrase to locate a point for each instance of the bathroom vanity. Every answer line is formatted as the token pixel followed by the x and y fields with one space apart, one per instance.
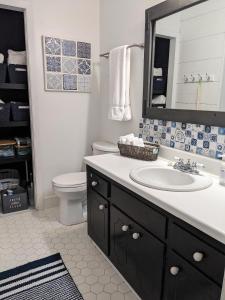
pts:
pixel 165 244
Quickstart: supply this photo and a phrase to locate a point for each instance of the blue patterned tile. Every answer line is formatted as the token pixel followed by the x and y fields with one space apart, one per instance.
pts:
pixel 200 135
pixel 221 131
pixel 69 48
pixel 187 148
pixel 84 83
pixel 207 129
pixel 194 138
pixel 213 138
pixel 69 82
pixel 84 66
pixel 83 50
pixel 206 144
pixel 69 65
pixel 52 46
pixel 54 81
pixel 53 64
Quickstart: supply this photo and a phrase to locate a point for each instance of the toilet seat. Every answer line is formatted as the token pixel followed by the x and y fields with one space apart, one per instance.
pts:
pixel 71 180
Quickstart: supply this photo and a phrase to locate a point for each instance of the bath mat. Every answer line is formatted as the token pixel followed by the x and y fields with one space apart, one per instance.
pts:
pixel 44 279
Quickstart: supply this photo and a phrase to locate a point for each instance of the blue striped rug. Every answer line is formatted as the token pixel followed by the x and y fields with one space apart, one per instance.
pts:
pixel 44 279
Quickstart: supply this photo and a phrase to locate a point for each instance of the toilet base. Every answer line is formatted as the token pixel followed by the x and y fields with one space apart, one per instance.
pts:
pixel 70 212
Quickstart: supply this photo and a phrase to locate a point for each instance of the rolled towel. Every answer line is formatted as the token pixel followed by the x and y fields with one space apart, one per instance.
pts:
pixel 138 142
pixel 126 138
pixel 158 72
pixel 1 58
pixel 159 100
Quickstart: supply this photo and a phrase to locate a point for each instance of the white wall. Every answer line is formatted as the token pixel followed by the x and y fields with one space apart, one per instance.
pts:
pixel 121 23
pixel 68 122
pixel 64 124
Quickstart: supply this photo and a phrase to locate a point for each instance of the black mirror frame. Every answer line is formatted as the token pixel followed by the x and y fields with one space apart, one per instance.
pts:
pixel 162 10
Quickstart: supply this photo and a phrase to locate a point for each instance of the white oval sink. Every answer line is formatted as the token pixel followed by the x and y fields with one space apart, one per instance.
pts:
pixel 168 179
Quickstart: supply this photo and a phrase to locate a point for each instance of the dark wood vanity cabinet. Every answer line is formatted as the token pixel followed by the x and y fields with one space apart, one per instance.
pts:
pixel 137 254
pixel 184 282
pixel 161 257
pixel 98 220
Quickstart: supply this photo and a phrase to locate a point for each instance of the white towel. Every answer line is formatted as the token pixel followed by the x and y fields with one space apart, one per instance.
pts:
pixel 1 58
pixel 157 72
pixel 119 84
pixel 159 100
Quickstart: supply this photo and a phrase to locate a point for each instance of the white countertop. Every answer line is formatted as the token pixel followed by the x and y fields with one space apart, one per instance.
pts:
pixel 204 209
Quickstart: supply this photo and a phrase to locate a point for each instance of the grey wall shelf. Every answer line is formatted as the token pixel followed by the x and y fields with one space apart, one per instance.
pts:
pixel 14 159
pixel 13 124
pixel 13 86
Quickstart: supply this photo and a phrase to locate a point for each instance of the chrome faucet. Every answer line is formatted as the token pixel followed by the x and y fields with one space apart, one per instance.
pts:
pixel 187 167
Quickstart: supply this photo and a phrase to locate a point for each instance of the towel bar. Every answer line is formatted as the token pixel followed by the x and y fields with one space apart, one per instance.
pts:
pixel 106 55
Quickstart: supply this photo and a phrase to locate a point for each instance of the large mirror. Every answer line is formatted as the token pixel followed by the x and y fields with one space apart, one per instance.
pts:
pixel 185 61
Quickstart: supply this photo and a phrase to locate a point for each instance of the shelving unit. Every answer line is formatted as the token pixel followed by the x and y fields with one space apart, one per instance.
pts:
pixel 12 36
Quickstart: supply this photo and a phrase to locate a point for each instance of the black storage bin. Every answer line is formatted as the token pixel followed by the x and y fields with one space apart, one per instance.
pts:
pixel 14 200
pixel 3 72
pixel 20 111
pixel 4 112
pixel 17 74
pixel 159 84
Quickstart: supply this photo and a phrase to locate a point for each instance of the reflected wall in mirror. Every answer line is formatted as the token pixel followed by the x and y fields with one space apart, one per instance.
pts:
pixel 189 59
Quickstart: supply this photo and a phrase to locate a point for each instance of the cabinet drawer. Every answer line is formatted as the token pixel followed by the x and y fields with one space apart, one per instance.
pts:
pixel 203 256
pixel 141 213
pixel 98 184
pixel 185 282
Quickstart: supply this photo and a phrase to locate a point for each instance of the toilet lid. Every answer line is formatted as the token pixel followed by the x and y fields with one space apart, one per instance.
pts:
pixel 70 179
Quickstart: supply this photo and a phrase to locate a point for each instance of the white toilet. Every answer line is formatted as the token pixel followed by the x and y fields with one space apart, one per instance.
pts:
pixel 71 189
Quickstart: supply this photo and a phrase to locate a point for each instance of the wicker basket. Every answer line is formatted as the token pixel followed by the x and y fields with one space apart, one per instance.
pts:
pixel 149 152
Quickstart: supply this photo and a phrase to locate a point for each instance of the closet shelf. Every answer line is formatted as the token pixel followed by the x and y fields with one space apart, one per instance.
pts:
pixel 13 124
pixel 15 159
pixel 13 86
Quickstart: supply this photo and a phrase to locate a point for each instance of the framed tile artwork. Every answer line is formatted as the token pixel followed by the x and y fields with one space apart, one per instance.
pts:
pixel 67 65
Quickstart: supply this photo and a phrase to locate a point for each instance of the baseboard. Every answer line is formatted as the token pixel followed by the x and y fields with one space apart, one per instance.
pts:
pixel 51 201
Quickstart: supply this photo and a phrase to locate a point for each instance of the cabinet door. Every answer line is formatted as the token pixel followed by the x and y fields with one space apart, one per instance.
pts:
pixel 184 282
pixel 137 255
pixel 98 224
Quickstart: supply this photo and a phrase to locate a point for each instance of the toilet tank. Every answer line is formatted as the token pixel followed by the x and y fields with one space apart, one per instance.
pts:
pixel 104 148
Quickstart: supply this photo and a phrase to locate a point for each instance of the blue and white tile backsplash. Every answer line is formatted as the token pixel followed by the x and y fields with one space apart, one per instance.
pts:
pixel 67 65
pixel 199 139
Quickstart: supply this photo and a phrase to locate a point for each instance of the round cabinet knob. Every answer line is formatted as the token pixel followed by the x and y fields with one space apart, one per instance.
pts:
pixel 136 236
pixel 94 183
pixel 125 228
pixel 174 270
pixel 101 207
pixel 198 256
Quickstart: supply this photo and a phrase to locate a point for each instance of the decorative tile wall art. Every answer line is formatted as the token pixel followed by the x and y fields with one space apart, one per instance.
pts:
pixel 200 139
pixel 67 65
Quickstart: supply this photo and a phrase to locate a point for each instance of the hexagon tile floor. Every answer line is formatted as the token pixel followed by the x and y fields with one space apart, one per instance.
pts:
pixel 32 234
